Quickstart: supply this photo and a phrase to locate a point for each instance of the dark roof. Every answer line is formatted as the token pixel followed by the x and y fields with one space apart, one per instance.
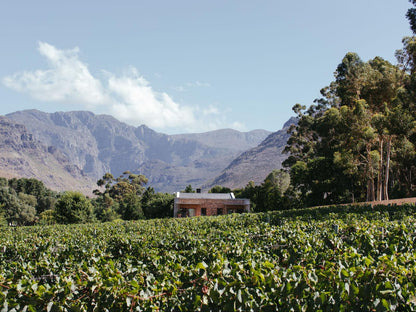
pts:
pixel 205 195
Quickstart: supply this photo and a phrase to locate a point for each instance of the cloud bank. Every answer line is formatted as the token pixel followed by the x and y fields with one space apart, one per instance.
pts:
pixel 128 97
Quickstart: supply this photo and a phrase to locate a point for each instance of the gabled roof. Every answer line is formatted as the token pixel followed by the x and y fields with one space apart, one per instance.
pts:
pixel 205 195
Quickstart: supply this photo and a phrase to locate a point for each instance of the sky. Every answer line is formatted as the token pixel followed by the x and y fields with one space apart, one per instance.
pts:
pixel 186 66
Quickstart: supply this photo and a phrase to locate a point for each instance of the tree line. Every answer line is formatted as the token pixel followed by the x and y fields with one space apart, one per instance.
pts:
pixel 27 202
pixel 357 141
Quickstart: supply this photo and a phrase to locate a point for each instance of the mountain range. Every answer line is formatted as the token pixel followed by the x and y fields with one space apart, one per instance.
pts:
pixel 72 150
pixel 21 155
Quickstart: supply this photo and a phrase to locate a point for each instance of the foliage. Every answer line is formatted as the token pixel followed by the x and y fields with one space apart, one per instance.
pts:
pixel 350 145
pixel 105 208
pixel 189 189
pixel 47 217
pixel 121 197
pixel 16 207
pixel 45 198
pixel 130 207
pixel 22 200
pixel 73 207
pixel 344 259
pixel 411 16
pixel 125 184
pixel 270 195
pixel 128 199
pixel 3 220
pixel 219 189
pixel 357 142
pixel 159 205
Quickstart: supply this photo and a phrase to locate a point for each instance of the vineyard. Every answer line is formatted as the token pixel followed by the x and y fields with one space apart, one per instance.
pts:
pixel 323 259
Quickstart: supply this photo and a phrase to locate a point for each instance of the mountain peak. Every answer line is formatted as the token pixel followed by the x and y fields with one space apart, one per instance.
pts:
pixel 291 121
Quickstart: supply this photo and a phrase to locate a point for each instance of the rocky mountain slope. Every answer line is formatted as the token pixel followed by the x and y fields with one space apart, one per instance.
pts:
pixel 99 143
pixel 21 155
pixel 256 163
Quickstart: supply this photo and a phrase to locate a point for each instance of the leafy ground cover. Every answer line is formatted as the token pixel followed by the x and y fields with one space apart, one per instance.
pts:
pixel 327 259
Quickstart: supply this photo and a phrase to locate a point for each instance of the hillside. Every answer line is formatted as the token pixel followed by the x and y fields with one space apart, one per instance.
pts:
pixel 99 143
pixel 23 156
pixel 256 163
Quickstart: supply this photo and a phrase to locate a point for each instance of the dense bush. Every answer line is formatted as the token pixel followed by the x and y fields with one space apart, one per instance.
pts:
pixel 73 207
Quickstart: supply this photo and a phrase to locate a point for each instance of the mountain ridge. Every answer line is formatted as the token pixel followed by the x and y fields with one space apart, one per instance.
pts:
pixel 22 156
pixel 255 164
pixel 100 143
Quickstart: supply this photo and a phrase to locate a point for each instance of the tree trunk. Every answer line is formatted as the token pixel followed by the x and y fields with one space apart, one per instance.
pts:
pixel 386 175
pixel 370 190
pixel 370 176
pixel 380 171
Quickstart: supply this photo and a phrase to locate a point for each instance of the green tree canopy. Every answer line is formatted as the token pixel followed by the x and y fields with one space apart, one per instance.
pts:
pixel 411 16
pixel 18 209
pixel 344 145
pixel 73 207
pixel 219 189
pixel 121 196
pixel 159 205
pixel 189 189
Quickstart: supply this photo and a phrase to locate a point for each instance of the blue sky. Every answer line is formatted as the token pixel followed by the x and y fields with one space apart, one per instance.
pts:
pixel 186 66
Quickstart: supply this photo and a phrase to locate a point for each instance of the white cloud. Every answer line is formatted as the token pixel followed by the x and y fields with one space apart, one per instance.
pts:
pixel 67 79
pixel 137 99
pixel 238 126
pixel 199 84
pixel 129 97
pixel 179 88
pixel 211 110
pixel 188 85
